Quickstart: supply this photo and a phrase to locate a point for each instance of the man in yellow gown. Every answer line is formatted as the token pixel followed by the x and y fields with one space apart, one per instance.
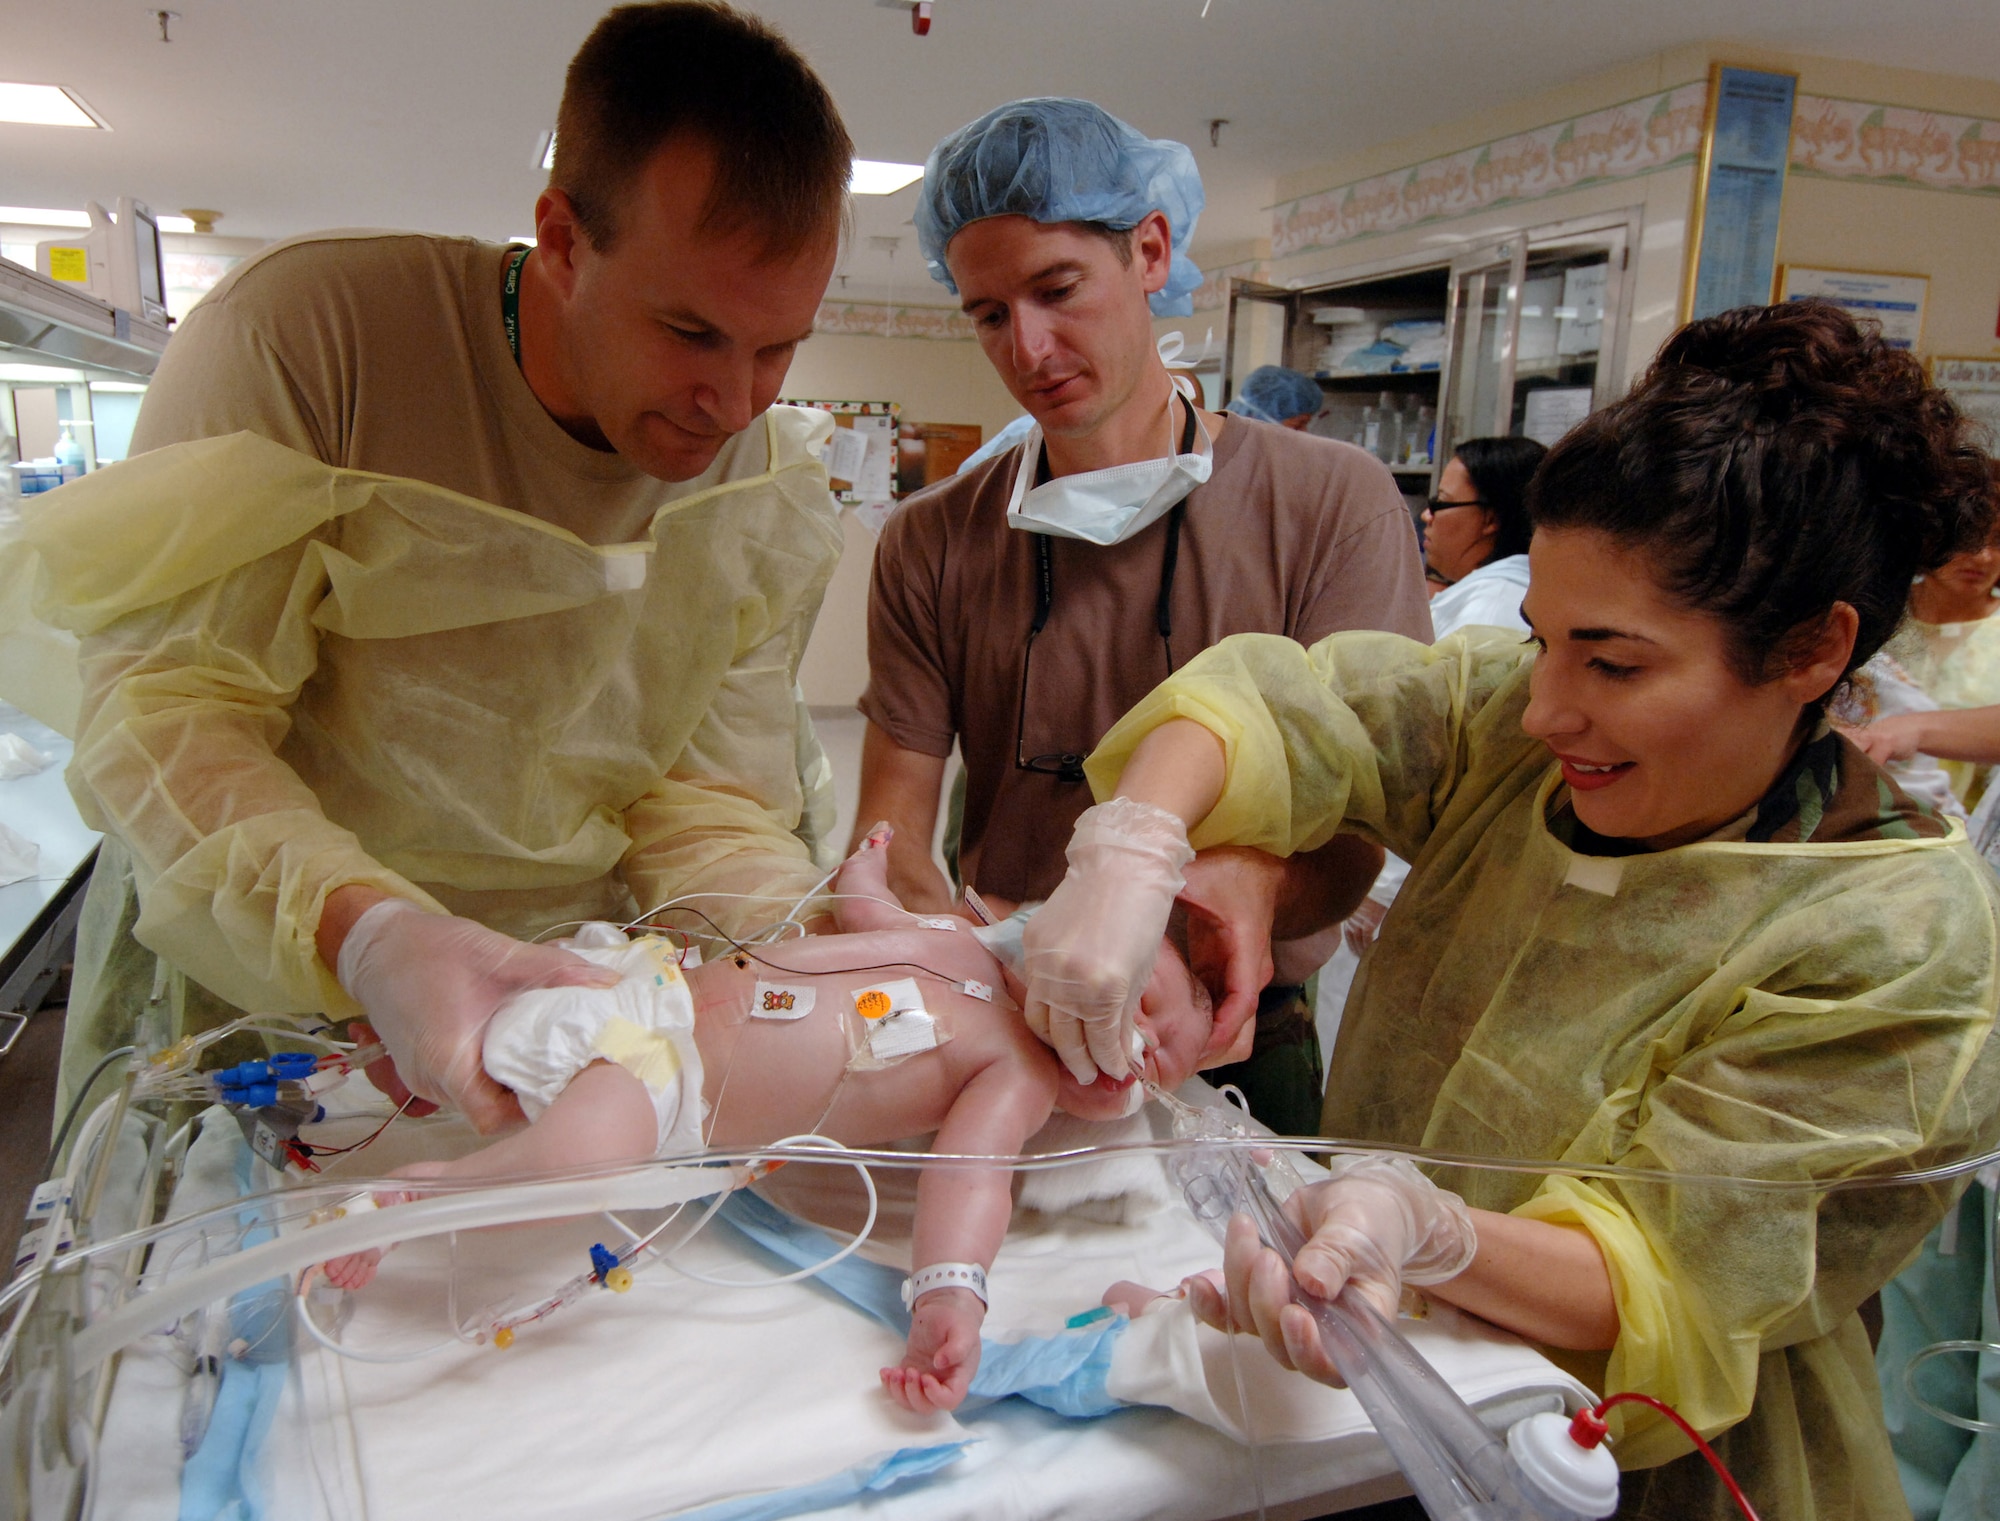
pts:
pixel 460 578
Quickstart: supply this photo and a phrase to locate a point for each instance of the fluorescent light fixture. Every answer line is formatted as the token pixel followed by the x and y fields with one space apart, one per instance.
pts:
pixel 35 374
pixel 549 152
pixel 43 216
pixel 48 216
pixel 44 105
pixel 875 177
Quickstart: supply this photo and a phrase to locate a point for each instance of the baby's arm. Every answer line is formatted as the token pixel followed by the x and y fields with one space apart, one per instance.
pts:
pixel 604 1115
pixel 962 1214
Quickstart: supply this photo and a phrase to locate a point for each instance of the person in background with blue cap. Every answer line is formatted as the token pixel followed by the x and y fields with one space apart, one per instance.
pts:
pixel 1020 608
pixel 1271 393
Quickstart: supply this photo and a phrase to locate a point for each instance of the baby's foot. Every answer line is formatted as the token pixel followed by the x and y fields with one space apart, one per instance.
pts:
pixel 943 1352
pixel 356 1270
pixel 1135 1299
pixel 866 903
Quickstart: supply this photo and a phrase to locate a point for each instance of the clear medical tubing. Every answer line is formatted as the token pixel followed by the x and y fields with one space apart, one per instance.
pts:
pixel 435 1215
pixel 503 1202
pixel 1457 1469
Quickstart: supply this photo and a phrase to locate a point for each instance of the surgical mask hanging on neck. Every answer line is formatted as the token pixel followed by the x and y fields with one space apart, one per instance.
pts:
pixel 1110 506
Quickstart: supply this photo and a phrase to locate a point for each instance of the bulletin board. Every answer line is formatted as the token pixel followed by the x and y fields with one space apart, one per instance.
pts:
pixel 862 465
pixel 1974 383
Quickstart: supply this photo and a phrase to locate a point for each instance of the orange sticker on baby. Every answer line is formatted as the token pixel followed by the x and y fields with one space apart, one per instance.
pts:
pixel 872 1003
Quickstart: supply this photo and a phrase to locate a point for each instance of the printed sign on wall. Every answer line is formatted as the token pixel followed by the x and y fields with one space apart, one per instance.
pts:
pixel 1739 190
pixel 1894 301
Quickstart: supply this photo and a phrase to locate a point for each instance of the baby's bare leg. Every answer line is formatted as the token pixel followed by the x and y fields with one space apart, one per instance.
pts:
pixel 604 1115
pixel 867 902
pixel 962 1214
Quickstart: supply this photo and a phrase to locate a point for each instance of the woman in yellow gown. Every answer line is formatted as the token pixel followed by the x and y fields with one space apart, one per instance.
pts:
pixel 1660 916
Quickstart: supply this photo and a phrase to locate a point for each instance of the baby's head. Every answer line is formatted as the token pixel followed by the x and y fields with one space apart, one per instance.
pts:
pixel 1175 1014
pixel 1175 1017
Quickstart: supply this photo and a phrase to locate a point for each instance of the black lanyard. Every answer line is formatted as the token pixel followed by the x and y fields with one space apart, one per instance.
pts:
pixel 1068 765
pixel 510 303
pixel 1163 612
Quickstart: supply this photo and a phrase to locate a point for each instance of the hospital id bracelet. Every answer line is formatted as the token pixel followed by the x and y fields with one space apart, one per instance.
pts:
pixel 945 1275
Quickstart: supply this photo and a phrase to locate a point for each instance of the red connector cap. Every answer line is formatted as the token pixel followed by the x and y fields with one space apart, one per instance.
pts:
pixel 1588 1429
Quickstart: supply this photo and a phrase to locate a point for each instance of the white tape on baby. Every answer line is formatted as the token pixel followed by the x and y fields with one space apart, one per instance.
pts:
pixel 945 1275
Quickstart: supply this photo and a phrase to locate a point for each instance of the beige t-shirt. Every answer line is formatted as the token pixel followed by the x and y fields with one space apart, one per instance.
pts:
pixel 384 351
pixel 1291 535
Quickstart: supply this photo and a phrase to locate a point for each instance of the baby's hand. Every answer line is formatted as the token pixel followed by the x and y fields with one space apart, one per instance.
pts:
pixel 943 1352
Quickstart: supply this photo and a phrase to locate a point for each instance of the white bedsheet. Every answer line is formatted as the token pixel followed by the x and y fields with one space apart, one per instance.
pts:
pixel 679 1394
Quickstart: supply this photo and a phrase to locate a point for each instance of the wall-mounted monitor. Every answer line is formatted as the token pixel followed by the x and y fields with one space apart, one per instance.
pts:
pixel 118 261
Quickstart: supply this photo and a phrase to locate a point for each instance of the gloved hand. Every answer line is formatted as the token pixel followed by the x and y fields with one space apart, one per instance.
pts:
pixel 1378 1223
pixel 1090 948
pixel 430 982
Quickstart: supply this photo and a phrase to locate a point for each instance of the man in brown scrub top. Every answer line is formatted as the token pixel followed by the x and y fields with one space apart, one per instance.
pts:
pixel 1020 608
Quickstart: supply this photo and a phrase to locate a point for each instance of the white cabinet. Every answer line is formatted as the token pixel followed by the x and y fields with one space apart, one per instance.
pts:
pixel 1522 335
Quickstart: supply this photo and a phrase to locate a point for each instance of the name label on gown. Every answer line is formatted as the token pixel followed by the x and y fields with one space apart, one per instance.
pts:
pixel 1596 874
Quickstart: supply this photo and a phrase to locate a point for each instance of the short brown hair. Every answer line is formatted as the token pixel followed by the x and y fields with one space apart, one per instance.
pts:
pixel 650 72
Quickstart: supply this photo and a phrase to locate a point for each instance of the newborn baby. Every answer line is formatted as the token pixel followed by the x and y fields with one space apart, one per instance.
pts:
pixel 886 1031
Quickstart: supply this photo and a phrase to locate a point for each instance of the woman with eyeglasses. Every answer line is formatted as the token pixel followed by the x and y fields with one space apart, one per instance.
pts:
pixel 1476 534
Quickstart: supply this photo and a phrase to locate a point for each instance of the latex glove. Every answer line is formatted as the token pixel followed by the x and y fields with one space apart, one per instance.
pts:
pixel 430 982
pixel 1379 1224
pixel 1090 948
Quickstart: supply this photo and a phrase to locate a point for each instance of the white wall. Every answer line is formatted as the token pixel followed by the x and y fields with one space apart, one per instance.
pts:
pixel 932 380
pixel 1952 237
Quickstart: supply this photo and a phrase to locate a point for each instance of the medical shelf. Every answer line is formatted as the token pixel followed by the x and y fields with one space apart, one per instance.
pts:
pixel 43 323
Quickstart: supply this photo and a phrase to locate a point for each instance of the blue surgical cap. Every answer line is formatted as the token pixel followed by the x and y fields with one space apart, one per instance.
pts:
pixel 1057 160
pixel 1273 393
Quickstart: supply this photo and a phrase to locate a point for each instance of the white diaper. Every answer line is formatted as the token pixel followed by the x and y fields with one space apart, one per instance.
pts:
pixel 540 1040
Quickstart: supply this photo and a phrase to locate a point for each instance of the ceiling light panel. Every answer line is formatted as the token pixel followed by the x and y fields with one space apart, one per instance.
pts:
pixel 48 216
pixel 874 177
pixel 42 216
pixel 43 105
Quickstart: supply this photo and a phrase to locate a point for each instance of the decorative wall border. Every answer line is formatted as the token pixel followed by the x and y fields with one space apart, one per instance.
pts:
pixel 878 319
pixel 1832 138
pixel 1895 145
pixel 1633 138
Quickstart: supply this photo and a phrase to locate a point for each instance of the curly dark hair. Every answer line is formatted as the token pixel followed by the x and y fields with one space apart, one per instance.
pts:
pixel 1772 462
